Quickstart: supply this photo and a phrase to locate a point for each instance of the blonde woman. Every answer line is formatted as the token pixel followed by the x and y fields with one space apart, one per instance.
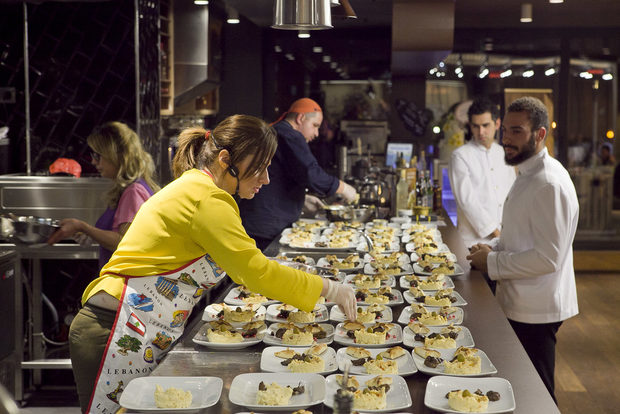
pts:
pixel 118 155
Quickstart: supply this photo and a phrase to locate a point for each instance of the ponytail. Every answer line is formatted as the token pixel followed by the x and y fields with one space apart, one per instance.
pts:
pixel 190 151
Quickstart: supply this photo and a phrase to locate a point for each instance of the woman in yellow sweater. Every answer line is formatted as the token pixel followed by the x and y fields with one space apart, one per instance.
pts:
pixel 183 239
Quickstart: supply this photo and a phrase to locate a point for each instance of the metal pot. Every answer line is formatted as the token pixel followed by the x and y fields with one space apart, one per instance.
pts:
pixel 374 192
pixel 31 229
pixel 349 213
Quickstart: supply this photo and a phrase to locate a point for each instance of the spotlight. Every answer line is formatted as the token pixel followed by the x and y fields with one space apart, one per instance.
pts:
pixel 608 76
pixel 483 72
pixel 201 2
pixel 233 16
pixel 303 34
pixel 528 73
pixel 317 49
pixel 505 73
pixel 550 71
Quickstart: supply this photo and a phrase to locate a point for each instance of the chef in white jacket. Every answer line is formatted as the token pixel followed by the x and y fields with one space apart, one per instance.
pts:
pixel 533 259
pixel 479 177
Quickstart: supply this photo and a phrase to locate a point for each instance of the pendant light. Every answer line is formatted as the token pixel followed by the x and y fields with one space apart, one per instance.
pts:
pixel 302 14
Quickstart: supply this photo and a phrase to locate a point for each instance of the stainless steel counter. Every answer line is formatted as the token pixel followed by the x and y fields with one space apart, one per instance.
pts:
pixel 483 316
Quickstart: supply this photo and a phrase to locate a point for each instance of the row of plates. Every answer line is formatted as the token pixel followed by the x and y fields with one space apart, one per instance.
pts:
pixel 206 392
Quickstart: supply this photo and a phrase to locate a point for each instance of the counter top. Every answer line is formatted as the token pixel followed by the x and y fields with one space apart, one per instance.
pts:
pixel 483 316
pixel 56 251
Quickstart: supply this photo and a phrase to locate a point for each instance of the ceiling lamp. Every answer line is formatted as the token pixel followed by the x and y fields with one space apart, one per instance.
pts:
pixel 556 1
pixel 343 10
pixel 528 73
pixel 303 34
pixel 505 73
pixel 526 13
pixel 302 15
pixel 607 76
pixel 550 71
pixel 484 71
pixel 233 16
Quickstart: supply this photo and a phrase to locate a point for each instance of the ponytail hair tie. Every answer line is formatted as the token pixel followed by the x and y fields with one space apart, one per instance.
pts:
pixel 207 135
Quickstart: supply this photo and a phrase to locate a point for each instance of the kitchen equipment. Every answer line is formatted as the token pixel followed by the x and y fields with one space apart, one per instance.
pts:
pixel 339 212
pixel 29 229
pixel 374 192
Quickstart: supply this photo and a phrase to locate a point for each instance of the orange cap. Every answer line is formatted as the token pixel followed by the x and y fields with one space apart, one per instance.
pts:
pixel 304 105
pixel 66 165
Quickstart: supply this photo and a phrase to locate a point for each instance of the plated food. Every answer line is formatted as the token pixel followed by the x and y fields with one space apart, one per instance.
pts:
pixel 318 358
pixel 379 393
pixel 426 283
pixel 235 315
pixel 444 315
pixel 417 334
pixel 241 295
pixel 370 336
pixel 456 395
pixel 291 334
pixel 365 313
pixel 383 296
pixel 281 312
pixel 460 362
pixel 441 297
pixel 221 334
pixel 393 360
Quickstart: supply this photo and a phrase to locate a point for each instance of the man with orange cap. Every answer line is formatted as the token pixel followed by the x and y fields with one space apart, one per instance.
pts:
pixel 293 169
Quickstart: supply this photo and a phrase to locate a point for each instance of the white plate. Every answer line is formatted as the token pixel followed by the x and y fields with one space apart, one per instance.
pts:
pixel 455 318
pixel 486 366
pixel 289 239
pixel 302 221
pixel 309 261
pixel 390 281
pixel 244 387
pixel 404 284
pixel 397 398
pixel 140 392
pixel 211 311
pixel 322 263
pixel 398 301
pixel 427 225
pixel 394 337
pixel 463 339
pixel 201 339
pixel 441 248
pixel 320 314
pixel 459 299
pixel 336 314
pixel 434 233
pixel 232 298
pixel 270 339
pixel 403 258
pixel 311 246
pixel 271 363
pixel 405 269
pixel 405 362
pixel 450 256
pixel 392 248
pixel 437 388
pixel 418 270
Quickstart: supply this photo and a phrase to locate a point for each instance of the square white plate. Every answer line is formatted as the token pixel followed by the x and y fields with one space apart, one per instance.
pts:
pixel 408 237
pixel 322 263
pixel 405 269
pixel 459 299
pixel 140 392
pixel 403 258
pixel 486 366
pixel 463 339
pixel 320 314
pixel 211 311
pixel 271 339
pixel 201 339
pixel 271 363
pixel 390 281
pixel 418 270
pixel 244 387
pixel 393 247
pixel 287 256
pixel 397 398
pixel 232 298
pixel 455 318
pixel 336 315
pixel 405 284
pixel 398 301
pixel 405 362
pixel 437 388
pixel 441 248
pixel 394 337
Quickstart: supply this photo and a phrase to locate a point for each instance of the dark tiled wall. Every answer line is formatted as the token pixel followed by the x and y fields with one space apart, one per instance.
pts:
pixel 82 73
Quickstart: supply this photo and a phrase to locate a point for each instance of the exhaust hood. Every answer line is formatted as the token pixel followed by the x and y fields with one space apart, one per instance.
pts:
pixel 302 14
pixel 191 52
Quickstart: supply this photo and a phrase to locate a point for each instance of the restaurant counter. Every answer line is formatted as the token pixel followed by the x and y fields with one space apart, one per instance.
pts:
pixel 483 316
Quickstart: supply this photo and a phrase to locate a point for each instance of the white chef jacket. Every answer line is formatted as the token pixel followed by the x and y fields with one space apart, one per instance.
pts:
pixel 480 180
pixel 533 261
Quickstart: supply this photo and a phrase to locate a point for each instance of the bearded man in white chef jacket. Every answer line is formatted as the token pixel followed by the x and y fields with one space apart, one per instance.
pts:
pixel 533 259
pixel 479 177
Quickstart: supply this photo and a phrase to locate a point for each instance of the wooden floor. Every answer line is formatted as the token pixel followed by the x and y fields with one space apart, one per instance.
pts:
pixel 587 375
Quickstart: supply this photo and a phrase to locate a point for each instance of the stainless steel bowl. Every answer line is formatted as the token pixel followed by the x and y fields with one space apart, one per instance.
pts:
pixel 30 229
pixel 338 212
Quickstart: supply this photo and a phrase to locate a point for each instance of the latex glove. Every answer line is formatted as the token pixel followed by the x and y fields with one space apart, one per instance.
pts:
pixel 312 204
pixel 83 239
pixel 349 194
pixel 344 297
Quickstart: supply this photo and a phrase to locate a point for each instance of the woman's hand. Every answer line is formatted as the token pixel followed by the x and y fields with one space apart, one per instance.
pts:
pixel 343 295
pixel 68 228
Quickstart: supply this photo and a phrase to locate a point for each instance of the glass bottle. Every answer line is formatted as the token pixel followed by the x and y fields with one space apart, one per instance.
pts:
pixel 419 195
pixel 428 188
pixel 436 195
pixel 402 191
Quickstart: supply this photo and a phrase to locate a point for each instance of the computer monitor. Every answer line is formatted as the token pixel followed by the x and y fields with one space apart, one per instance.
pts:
pixel 393 149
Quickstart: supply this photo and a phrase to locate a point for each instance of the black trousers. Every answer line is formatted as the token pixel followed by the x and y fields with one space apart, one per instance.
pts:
pixel 539 340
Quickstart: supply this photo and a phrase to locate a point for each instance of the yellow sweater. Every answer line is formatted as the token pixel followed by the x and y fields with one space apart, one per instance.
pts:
pixel 187 219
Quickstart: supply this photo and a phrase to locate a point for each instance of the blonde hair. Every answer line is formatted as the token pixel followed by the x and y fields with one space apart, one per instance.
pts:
pixel 241 135
pixel 120 145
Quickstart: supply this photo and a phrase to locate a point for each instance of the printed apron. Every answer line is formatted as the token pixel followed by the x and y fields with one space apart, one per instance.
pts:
pixel 152 314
